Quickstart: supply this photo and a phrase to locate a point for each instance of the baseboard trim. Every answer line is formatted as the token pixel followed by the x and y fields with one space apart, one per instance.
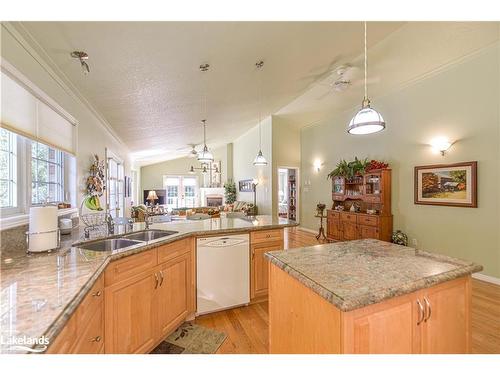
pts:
pixel 488 279
pixel 308 230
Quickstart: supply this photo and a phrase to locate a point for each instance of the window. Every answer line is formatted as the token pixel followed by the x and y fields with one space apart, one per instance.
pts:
pixel 8 169
pixel 182 191
pixel 47 174
pixel 116 188
pixel 32 173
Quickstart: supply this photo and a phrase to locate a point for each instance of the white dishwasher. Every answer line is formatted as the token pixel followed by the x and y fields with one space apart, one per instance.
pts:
pixel 223 272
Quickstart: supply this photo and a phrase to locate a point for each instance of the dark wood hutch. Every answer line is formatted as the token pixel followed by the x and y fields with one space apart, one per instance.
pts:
pixel 369 192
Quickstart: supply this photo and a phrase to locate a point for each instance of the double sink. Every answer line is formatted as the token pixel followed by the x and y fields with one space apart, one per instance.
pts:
pixel 131 239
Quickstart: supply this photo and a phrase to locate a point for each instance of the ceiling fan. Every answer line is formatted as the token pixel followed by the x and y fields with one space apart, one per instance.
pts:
pixel 191 150
pixel 343 78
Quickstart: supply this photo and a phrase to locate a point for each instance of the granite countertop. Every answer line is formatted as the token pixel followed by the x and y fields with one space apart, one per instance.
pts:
pixel 39 292
pixel 358 273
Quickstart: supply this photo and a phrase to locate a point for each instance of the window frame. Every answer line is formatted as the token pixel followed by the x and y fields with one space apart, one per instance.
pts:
pixel 13 216
pixel 20 173
pixel 59 165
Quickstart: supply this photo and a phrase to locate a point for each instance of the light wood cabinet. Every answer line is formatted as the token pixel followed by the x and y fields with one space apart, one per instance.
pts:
pixel 260 243
pixel 84 331
pixel 434 320
pixel 447 315
pixel 349 231
pixel 144 308
pixel 172 300
pixel 130 314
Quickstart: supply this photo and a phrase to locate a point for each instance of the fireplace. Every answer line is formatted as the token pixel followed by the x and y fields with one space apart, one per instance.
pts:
pixel 214 200
pixel 212 197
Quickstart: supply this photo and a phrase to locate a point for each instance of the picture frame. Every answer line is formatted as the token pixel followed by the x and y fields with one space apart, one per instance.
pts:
pixel 245 186
pixel 446 184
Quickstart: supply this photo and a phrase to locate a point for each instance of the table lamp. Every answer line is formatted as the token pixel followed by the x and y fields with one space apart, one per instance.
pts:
pixel 152 197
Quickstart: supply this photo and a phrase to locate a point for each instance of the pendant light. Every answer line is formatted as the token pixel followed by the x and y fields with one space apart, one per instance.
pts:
pixel 260 159
pixel 205 156
pixel 367 120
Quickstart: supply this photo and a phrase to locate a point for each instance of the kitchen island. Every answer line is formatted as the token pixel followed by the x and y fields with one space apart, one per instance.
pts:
pixel 76 300
pixel 368 296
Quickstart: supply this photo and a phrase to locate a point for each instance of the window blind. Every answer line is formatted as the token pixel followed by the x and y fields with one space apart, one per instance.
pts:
pixel 28 115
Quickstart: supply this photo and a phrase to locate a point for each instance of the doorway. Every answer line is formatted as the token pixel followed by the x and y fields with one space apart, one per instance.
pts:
pixel 287 193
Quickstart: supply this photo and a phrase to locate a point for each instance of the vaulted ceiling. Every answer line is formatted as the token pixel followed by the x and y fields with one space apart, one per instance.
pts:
pixel 145 79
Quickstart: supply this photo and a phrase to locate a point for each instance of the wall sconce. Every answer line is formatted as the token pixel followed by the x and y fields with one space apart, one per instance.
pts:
pixel 441 145
pixel 317 165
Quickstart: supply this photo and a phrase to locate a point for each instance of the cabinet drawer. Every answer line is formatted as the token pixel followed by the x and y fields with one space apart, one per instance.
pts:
pixel 266 236
pixel 130 266
pixel 91 339
pixel 368 220
pixel 333 215
pixel 91 302
pixel 346 216
pixel 368 232
pixel 173 250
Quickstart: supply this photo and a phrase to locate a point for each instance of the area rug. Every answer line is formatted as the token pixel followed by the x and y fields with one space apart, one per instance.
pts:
pixel 191 338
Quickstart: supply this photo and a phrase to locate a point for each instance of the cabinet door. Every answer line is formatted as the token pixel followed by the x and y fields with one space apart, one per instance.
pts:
pixel 333 229
pixel 350 231
pixel 388 327
pixel 129 314
pixel 173 295
pixel 368 232
pixel 446 329
pixel 259 267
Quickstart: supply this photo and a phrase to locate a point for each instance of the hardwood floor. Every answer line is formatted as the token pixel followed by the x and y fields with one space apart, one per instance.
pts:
pixel 247 327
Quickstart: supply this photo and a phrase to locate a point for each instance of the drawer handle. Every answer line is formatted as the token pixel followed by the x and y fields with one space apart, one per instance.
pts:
pixel 156 281
pixel 97 294
pixel 268 236
pixel 428 309
pixel 96 339
pixel 161 275
pixel 421 313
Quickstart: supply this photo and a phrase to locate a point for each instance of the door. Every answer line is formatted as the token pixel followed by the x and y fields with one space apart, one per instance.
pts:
pixel 368 232
pixel 129 314
pixel 260 267
pixel 446 328
pixel 182 191
pixel 172 302
pixel 116 187
pixel 350 230
pixel 388 327
pixel 333 229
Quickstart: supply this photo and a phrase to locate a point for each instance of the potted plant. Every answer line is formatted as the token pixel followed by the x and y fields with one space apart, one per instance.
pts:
pixel 230 192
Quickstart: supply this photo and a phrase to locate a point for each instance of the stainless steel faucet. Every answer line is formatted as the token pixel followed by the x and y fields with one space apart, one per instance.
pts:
pixel 110 223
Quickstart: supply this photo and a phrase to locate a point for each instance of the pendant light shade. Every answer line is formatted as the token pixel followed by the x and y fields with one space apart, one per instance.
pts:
pixel 366 120
pixel 205 156
pixel 260 159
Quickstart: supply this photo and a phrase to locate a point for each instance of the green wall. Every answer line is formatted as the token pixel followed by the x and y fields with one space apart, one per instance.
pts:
pixel 461 103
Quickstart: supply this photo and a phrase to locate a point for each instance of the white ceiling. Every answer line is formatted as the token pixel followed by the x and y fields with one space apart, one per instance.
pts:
pixel 145 80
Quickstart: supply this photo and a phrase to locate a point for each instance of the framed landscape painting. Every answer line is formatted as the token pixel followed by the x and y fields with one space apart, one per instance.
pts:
pixel 447 184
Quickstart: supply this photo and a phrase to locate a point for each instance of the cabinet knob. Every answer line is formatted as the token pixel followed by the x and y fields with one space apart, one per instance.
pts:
pixel 96 339
pixel 97 294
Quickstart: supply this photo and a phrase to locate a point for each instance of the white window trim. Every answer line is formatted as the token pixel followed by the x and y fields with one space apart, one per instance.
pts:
pixel 13 217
